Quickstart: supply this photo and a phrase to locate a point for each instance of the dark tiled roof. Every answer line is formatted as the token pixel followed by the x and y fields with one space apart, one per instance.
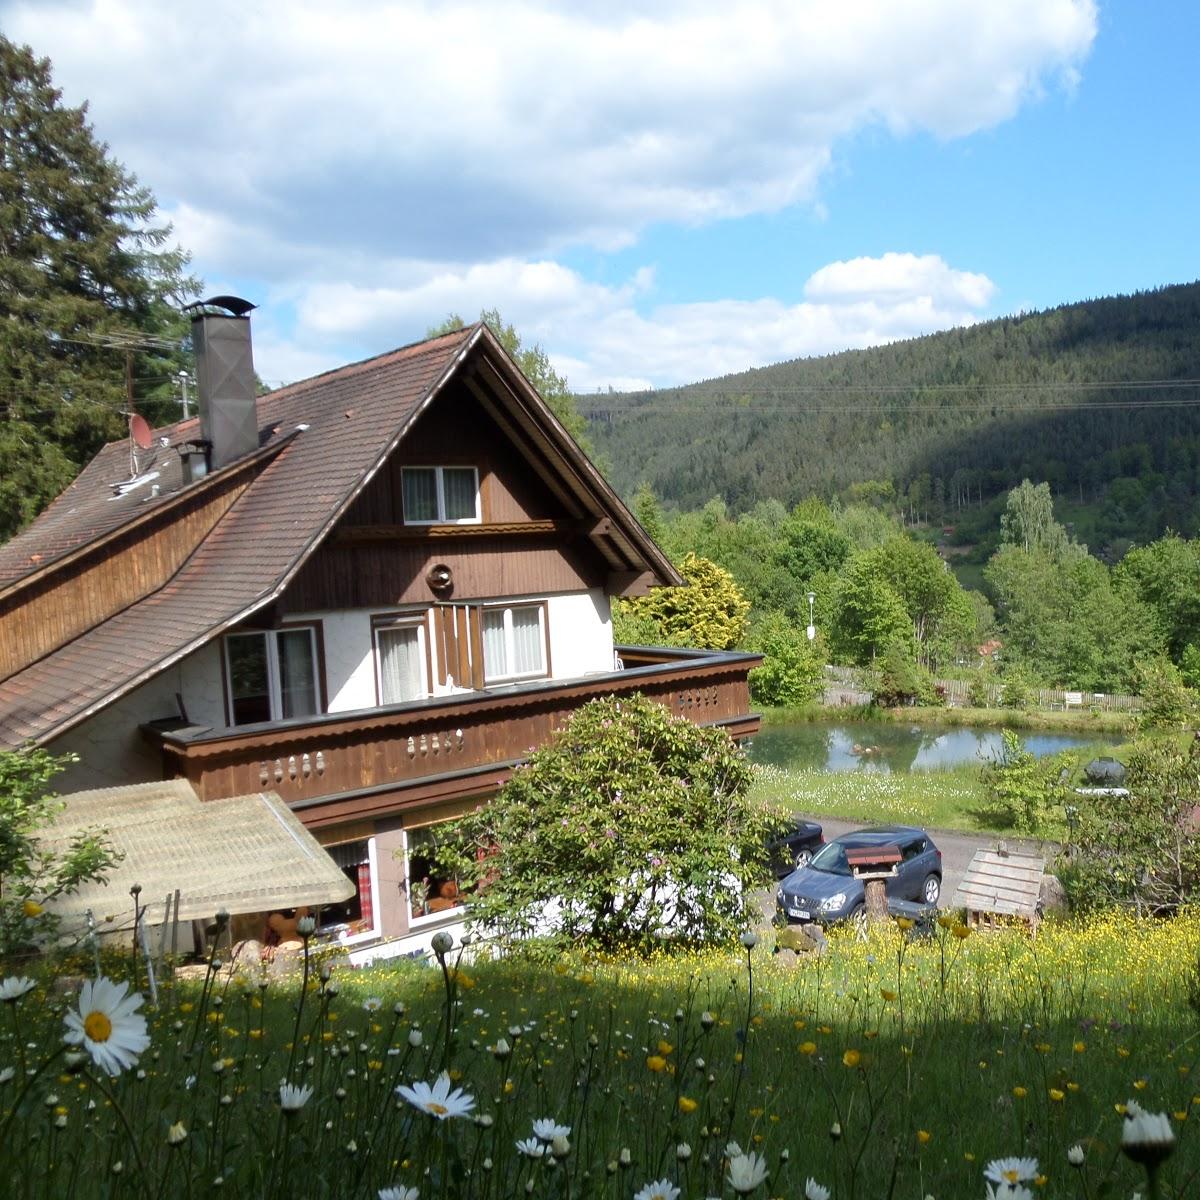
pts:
pixel 354 416
pixel 327 435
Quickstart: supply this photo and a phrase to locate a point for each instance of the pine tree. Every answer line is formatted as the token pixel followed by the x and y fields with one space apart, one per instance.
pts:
pixel 82 258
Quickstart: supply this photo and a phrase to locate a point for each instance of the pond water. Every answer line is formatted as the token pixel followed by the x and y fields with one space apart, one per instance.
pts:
pixel 887 746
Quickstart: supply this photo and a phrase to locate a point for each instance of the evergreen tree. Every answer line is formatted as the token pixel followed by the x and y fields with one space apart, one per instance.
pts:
pixel 82 258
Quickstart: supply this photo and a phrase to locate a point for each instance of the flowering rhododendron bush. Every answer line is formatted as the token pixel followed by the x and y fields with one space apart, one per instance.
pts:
pixel 627 826
pixel 955 1065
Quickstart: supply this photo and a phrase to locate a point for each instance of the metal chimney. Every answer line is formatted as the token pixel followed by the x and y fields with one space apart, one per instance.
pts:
pixel 225 377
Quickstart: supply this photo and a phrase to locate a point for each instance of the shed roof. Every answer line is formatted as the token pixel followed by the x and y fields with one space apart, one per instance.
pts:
pixel 244 854
pixel 334 432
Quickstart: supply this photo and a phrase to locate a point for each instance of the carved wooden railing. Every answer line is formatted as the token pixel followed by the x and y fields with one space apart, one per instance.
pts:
pixel 449 737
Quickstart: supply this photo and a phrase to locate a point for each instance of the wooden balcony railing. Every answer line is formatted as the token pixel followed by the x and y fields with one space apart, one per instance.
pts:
pixel 457 745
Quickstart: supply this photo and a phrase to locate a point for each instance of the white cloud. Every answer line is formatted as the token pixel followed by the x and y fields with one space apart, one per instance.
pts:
pixel 899 275
pixel 363 169
pixel 468 131
pixel 598 338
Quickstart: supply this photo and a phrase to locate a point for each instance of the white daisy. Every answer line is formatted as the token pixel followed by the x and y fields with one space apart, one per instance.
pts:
pixel 746 1172
pixel 547 1130
pixel 1012 1191
pixel 14 987
pixel 108 1025
pixel 531 1148
pixel 372 1004
pixel 1146 1137
pixel 292 1098
pixel 660 1189
pixel 814 1191
pixel 438 1101
pixel 398 1193
pixel 1011 1170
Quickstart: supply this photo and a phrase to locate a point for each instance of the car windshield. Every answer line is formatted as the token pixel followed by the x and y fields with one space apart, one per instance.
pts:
pixel 831 858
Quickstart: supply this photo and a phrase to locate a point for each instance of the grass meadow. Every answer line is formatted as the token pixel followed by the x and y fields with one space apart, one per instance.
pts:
pixel 946 798
pixel 891 1067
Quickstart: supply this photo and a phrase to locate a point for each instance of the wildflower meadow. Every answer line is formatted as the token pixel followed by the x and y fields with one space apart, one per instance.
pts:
pixel 953 1065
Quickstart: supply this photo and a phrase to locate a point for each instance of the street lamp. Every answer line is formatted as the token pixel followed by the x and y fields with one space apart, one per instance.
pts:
pixel 812 629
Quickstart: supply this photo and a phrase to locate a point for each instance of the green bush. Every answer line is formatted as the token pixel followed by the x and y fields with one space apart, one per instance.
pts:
pixel 1017 688
pixel 709 613
pixel 1024 789
pixel 979 690
pixel 901 680
pixel 628 826
pixel 1140 850
pixel 32 877
pixel 1167 702
pixel 793 670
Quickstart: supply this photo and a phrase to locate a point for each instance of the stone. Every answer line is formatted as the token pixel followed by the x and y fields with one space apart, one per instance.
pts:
pixel 1053 898
pixel 801 939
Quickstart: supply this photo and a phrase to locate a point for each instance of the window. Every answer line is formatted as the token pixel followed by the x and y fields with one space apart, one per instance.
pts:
pixel 514 642
pixel 272 675
pixel 441 495
pixel 355 917
pixel 431 892
pixel 400 653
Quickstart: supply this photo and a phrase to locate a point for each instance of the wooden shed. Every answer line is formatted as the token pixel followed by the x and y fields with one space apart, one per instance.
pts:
pixel 1000 886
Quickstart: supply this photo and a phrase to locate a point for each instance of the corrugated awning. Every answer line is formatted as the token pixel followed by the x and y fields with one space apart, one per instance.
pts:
pixel 245 854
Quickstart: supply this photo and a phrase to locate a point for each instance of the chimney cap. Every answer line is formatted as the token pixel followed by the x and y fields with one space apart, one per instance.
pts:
pixel 234 305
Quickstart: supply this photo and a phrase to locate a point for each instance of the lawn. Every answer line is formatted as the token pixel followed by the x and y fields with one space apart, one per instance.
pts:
pixel 952 798
pixel 888 1068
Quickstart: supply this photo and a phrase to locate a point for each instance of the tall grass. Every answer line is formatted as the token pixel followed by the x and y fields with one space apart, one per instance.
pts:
pixel 891 1067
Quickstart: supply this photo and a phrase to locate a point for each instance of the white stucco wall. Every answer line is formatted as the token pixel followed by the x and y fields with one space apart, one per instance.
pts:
pixel 112 750
pixel 110 746
pixel 580 634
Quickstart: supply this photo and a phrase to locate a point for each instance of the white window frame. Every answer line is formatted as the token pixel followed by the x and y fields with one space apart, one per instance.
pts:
pixel 375 931
pixel 507 610
pixel 441 518
pixel 274 687
pixel 446 915
pixel 401 621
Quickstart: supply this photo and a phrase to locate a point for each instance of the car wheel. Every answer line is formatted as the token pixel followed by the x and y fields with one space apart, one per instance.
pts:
pixel 931 889
pixel 801 858
pixel 857 920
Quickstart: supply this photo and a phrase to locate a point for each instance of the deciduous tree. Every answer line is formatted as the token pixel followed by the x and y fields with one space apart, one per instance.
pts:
pixel 31 876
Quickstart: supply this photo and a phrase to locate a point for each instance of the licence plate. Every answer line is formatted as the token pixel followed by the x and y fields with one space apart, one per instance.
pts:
pixel 794 910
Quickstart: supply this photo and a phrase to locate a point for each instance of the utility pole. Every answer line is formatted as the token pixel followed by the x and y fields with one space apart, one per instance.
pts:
pixel 183 383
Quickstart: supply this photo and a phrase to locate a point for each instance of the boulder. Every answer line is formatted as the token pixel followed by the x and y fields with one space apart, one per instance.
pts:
pixel 1053 898
pixel 801 939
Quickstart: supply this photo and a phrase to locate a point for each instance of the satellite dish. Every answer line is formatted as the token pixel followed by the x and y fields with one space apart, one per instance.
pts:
pixel 140 431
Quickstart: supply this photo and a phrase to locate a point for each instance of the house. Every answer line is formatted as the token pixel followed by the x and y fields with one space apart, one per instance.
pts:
pixel 372 592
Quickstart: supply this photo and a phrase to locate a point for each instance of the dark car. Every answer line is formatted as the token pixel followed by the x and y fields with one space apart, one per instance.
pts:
pixel 825 889
pixel 798 842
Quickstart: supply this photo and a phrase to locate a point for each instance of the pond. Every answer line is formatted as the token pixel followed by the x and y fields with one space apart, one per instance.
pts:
pixel 887 746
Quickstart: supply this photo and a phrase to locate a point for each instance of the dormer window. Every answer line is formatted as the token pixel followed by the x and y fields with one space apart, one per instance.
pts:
pixel 441 496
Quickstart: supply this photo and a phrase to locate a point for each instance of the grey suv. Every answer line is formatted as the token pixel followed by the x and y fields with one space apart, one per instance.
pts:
pixel 825 889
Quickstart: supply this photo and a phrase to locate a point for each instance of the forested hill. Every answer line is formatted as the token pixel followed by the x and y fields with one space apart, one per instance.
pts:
pixel 1100 399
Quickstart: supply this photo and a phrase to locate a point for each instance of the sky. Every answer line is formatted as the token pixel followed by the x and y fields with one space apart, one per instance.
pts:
pixel 656 193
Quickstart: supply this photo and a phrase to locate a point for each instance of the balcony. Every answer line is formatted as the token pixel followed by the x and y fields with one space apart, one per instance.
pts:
pixel 347 766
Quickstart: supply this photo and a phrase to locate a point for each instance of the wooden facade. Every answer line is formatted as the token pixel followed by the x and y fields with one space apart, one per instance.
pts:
pixel 51 609
pixel 345 767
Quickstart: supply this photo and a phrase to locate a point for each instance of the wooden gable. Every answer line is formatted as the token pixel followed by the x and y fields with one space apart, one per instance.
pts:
pixel 531 538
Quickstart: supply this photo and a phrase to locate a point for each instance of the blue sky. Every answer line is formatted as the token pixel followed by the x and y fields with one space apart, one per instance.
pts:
pixel 655 198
